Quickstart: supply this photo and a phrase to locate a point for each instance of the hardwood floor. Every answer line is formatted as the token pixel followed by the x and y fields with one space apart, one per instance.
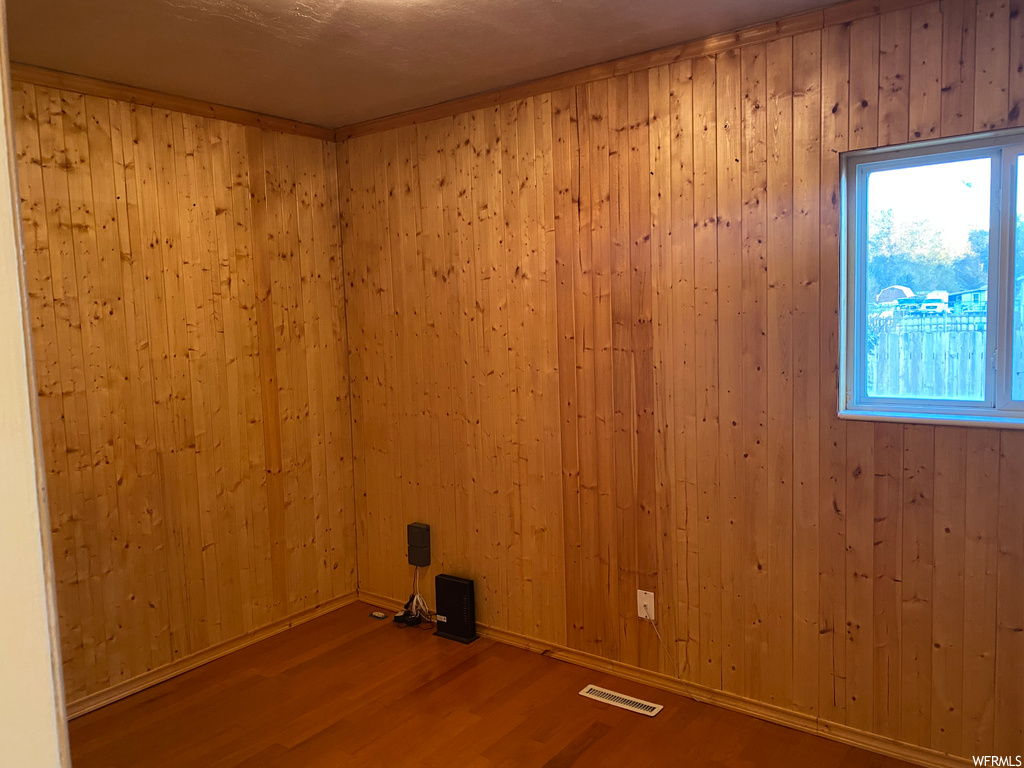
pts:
pixel 348 690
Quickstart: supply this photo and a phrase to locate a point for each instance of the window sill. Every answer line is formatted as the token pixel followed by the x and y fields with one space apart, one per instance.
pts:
pixel 936 419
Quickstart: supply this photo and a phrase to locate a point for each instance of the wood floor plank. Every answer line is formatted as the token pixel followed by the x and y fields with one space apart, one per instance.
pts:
pixel 346 689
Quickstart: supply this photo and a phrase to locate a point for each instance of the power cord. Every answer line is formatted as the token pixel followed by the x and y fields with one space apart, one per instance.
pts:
pixel 415 611
pixel 671 656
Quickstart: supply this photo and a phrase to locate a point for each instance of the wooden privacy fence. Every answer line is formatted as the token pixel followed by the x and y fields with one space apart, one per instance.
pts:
pixel 937 357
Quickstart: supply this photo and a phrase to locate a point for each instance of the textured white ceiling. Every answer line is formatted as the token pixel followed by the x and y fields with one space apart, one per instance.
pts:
pixel 336 62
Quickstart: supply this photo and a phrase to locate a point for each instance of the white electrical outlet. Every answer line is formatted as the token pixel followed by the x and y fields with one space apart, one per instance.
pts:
pixel 645 605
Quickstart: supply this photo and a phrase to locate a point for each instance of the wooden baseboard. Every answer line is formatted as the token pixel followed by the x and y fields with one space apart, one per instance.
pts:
pixel 94 701
pixel 797 720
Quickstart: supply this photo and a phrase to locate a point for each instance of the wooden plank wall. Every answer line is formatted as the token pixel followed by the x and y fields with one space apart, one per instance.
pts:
pixel 594 344
pixel 186 290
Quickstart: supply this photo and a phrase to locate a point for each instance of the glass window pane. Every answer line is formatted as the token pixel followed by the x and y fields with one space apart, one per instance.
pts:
pixel 1017 380
pixel 927 280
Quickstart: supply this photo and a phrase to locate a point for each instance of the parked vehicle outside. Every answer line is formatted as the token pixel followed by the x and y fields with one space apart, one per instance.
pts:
pixel 935 303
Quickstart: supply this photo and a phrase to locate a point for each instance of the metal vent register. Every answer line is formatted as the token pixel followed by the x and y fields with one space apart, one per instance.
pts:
pixel 618 700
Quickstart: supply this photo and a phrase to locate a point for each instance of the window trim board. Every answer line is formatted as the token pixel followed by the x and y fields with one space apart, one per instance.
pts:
pixel 997 409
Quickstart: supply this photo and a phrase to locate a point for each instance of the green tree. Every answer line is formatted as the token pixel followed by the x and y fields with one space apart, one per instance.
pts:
pixel 1020 234
pixel 971 270
pixel 916 255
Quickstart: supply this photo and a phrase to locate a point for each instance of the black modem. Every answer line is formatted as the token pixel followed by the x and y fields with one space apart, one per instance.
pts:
pixel 456 615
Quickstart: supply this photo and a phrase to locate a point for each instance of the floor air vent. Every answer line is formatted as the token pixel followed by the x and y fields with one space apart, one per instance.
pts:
pixel 618 700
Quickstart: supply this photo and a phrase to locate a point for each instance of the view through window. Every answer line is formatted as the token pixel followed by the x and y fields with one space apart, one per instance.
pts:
pixel 927 280
pixel 934 326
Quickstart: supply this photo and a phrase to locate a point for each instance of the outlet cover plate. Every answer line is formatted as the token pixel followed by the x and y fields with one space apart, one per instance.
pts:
pixel 645 600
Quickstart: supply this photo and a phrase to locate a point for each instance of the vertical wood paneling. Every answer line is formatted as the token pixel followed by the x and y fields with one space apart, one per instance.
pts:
pixel 925 77
pixel 781 405
pixel 649 523
pixel 806 367
pixel 706 283
pixel 865 55
pixel 981 530
pixel 669 476
pixel 598 627
pixel 1009 649
pixel 591 337
pixel 1015 115
pixel 49 390
pixel 918 567
pixel 862 573
pixel 893 77
pixel 681 352
pixel 161 248
pixel 754 260
pixel 735 534
pixel 947 631
pixel 894 91
pixel 833 509
pixel 959 38
pixel 992 72
pixel 622 308
pixel 566 180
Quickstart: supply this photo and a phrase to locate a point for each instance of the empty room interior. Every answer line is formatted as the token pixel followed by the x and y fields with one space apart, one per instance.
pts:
pixel 514 383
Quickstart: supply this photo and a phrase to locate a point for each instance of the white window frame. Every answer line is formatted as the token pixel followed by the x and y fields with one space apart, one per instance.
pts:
pixel 997 409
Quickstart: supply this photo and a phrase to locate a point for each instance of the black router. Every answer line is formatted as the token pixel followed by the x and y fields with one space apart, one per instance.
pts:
pixel 456 616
